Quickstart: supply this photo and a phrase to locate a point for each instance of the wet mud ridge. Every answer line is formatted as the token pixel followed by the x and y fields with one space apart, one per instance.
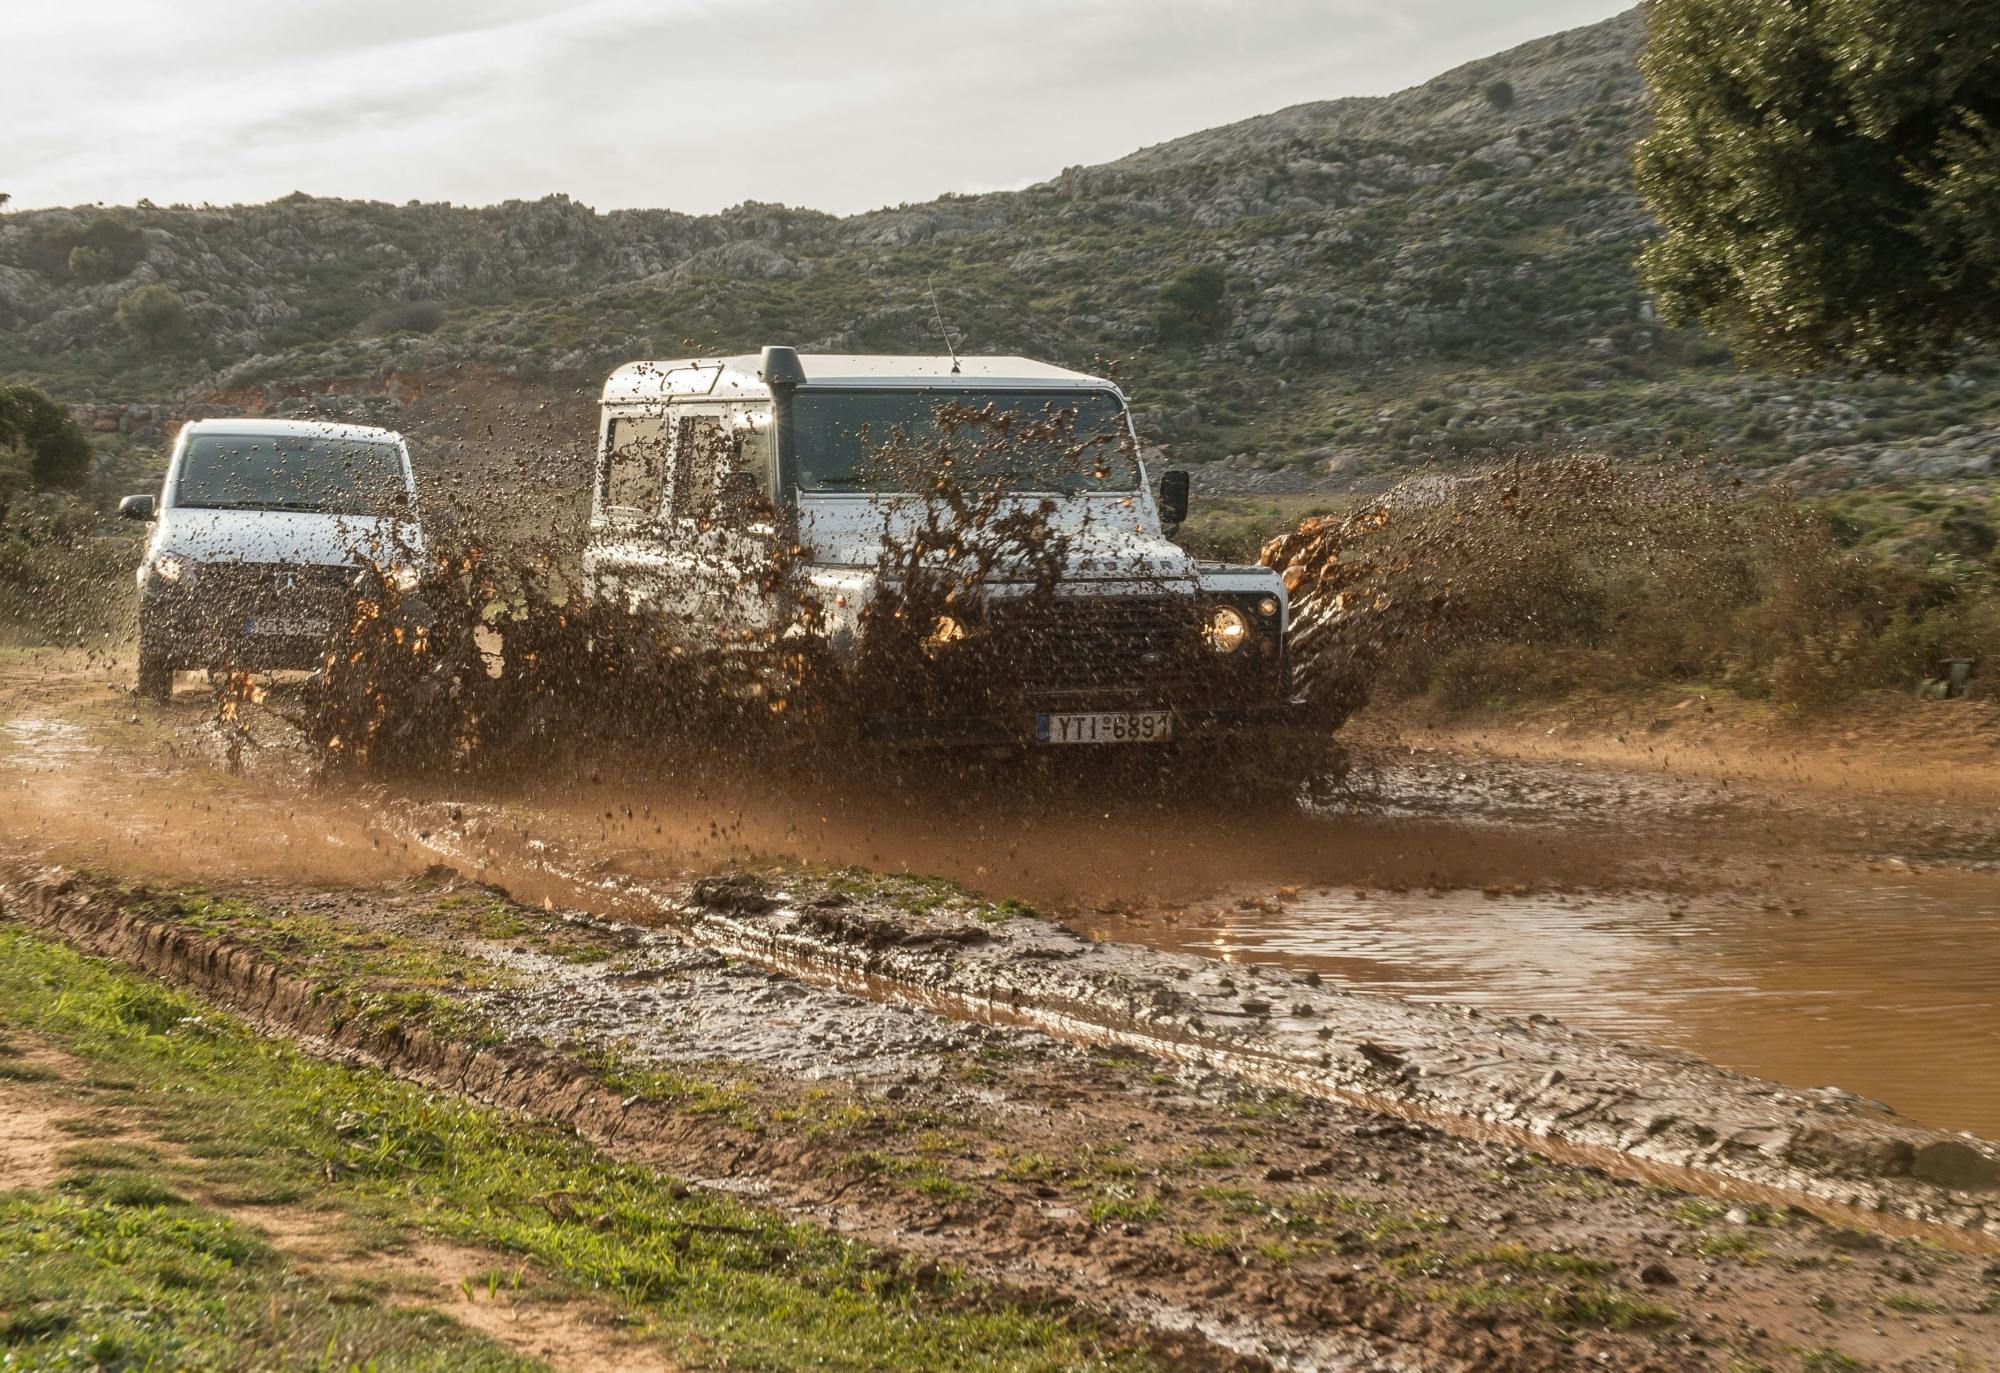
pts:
pixel 1237 1225
pixel 1532 1081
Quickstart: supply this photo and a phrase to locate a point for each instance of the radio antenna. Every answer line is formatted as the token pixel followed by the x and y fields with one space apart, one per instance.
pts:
pixel 937 315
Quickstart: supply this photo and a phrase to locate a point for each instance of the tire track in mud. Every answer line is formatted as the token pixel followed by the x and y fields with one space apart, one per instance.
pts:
pixel 549 1085
pixel 1631 1110
pixel 1057 1101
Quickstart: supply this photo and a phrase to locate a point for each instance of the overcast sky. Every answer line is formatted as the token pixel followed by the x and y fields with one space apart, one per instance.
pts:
pixel 687 104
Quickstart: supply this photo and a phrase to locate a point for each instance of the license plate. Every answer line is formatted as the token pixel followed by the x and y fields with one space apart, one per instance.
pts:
pixel 288 628
pixel 1106 727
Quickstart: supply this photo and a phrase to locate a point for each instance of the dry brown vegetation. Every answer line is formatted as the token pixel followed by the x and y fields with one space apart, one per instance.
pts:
pixel 1541 578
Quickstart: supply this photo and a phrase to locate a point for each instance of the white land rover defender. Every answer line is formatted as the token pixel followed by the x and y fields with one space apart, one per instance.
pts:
pixel 714 472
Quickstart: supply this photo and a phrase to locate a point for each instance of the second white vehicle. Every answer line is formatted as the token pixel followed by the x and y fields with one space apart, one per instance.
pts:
pixel 263 532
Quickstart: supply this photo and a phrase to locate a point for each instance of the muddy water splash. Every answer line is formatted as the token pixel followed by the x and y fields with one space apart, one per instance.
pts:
pixel 499 661
pixel 1530 569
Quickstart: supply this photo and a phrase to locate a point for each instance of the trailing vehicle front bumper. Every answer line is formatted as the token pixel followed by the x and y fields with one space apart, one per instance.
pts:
pixel 211 619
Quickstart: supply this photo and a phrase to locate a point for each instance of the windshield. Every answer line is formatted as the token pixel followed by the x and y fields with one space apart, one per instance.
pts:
pixel 1042 441
pixel 330 476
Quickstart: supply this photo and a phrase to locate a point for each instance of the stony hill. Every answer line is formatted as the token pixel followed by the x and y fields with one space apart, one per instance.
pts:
pixel 1447 270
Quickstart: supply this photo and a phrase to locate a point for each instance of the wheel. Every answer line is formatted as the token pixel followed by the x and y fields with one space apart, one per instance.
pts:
pixel 156 673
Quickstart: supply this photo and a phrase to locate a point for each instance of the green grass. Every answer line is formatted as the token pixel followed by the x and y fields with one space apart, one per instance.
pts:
pixel 1912 1304
pixel 95 1278
pixel 718 1281
pixel 686 1091
pixel 384 978
pixel 493 917
pixel 1585 1303
pixel 1120 1205
pixel 1320 1208
pixel 1730 1244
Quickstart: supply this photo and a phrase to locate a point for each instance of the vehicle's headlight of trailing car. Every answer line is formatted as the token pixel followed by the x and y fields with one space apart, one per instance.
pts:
pixel 170 567
pixel 1268 606
pixel 946 630
pixel 1226 629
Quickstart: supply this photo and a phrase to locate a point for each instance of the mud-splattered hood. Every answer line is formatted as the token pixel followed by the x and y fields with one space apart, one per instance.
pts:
pixel 279 536
pixel 1107 537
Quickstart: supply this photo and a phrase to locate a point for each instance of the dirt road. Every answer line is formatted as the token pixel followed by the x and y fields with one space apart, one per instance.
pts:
pixel 1827 916
pixel 1718 905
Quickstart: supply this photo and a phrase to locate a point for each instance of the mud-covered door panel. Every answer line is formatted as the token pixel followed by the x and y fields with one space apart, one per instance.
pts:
pixel 720 508
pixel 631 558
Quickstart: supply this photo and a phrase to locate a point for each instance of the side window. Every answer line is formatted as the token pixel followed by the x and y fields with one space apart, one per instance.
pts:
pixel 750 458
pixel 700 450
pixel 635 470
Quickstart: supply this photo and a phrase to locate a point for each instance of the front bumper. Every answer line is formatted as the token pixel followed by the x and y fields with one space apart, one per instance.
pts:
pixel 209 626
pixel 1191 726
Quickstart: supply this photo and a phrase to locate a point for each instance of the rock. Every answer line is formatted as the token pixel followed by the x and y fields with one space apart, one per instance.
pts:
pixel 738 893
pixel 1949 1163
pixel 1657 1274
pixel 1379 1054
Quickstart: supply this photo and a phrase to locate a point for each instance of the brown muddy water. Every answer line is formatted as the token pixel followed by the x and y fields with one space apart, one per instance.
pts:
pixel 1650 909
pixel 1888 987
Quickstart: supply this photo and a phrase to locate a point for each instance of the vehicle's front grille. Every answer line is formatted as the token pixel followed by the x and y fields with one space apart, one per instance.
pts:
pixel 1105 646
pixel 271 588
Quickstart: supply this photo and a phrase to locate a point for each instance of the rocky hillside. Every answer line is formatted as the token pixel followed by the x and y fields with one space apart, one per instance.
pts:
pixel 1443 271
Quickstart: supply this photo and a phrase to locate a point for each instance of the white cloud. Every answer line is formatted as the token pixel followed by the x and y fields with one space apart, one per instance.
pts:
pixel 688 104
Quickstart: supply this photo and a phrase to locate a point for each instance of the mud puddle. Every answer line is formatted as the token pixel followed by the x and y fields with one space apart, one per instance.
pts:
pixel 1888 987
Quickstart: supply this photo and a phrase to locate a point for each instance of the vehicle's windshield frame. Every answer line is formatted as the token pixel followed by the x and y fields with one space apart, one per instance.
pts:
pixel 397 498
pixel 977 394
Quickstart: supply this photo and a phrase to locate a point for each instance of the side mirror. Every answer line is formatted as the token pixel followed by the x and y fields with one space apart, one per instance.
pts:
pixel 138 508
pixel 1174 498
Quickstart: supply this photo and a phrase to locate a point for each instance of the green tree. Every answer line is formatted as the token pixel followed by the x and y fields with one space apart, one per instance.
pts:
pixel 1500 94
pixel 154 315
pixel 1827 175
pixel 87 263
pixel 1192 303
pixel 41 445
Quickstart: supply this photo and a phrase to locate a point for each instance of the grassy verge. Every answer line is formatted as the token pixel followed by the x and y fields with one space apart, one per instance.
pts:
pixel 113 1271
pixel 715 1280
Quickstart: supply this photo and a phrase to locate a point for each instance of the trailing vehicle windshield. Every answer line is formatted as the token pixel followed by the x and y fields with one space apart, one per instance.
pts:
pixel 1035 441
pixel 329 476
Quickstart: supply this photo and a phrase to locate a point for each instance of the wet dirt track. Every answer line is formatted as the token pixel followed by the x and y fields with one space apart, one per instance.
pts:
pixel 1820 938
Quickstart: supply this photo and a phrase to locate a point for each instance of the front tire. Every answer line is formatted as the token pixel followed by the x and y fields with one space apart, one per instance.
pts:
pixel 156 672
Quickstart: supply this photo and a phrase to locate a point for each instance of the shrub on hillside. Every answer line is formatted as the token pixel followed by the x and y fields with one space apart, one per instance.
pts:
pixel 110 249
pixel 1192 303
pixel 404 317
pixel 43 439
pixel 154 315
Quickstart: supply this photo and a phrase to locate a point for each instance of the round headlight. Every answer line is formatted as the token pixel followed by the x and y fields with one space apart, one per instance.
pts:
pixel 169 568
pixel 947 630
pixel 1268 607
pixel 1226 629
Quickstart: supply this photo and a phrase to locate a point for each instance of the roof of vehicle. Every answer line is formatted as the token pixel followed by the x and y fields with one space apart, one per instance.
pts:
pixel 319 429
pixel 740 377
